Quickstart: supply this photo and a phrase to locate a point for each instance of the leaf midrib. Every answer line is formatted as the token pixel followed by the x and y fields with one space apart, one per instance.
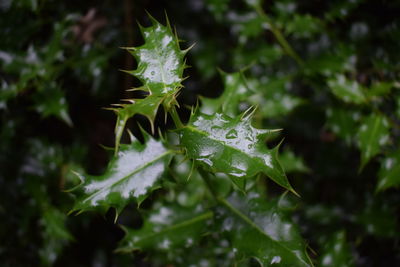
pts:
pixel 182 224
pixel 222 142
pixel 140 168
pixel 247 220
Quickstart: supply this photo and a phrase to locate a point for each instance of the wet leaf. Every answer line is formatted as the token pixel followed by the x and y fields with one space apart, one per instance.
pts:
pixel 160 66
pixel 372 135
pixel 133 174
pixel 347 90
pixel 167 227
pixel 389 173
pixel 336 252
pixel 257 228
pixel 232 146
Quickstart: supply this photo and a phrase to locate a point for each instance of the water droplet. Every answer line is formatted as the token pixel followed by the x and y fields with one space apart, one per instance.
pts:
pixel 232 134
pixel 153 73
pixel 276 259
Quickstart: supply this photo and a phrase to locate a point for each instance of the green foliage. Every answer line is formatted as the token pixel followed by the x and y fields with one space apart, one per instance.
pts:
pixel 200 181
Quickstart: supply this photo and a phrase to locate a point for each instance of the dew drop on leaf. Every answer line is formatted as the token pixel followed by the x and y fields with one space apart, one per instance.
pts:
pixel 232 134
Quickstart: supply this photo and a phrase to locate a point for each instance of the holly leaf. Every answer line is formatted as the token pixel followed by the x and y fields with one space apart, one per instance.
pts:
pixel 389 172
pixel 167 227
pixel 160 66
pixel 147 107
pixel 336 252
pixel 347 90
pixel 133 174
pixel 258 228
pixel 232 146
pixel 235 91
pixel 372 135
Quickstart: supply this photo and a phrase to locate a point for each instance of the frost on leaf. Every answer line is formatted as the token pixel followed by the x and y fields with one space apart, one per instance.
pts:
pixel 232 146
pixel 167 228
pixel 160 66
pixel 258 228
pixel 133 174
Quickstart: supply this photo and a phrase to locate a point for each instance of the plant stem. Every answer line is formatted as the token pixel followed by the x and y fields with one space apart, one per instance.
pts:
pixel 279 36
pixel 176 119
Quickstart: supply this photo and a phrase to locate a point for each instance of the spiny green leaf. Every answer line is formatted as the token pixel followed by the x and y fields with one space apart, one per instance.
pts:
pixel 167 227
pixel 336 252
pixel 160 69
pixel 389 173
pixel 347 90
pixel 160 60
pixel 235 91
pixel 232 146
pixel 257 228
pixel 147 107
pixel 373 134
pixel 133 174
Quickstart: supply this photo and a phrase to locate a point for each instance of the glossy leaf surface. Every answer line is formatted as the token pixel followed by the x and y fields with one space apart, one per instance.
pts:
pixel 133 174
pixel 160 60
pixel 167 227
pixel 257 228
pixel 160 66
pixel 347 90
pixel 389 173
pixel 373 134
pixel 232 146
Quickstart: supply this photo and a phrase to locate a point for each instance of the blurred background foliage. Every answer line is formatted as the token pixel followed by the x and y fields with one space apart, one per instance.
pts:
pixel 334 90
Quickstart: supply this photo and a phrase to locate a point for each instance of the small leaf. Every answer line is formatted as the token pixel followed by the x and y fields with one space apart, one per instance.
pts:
pixel 373 134
pixel 167 227
pixel 231 146
pixel 257 228
pixel 160 69
pixel 133 174
pixel 292 163
pixel 55 235
pixel 380 89
pixel 235 91
pixel 389 173
pixel 274 99
pixel 336 252
pixel 346 90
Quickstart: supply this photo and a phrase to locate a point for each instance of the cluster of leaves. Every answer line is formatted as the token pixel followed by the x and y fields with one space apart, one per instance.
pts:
pixel 214 144
pixel 201 181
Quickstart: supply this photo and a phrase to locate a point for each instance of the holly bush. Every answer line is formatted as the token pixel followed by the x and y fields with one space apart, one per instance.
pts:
pixel 239 133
